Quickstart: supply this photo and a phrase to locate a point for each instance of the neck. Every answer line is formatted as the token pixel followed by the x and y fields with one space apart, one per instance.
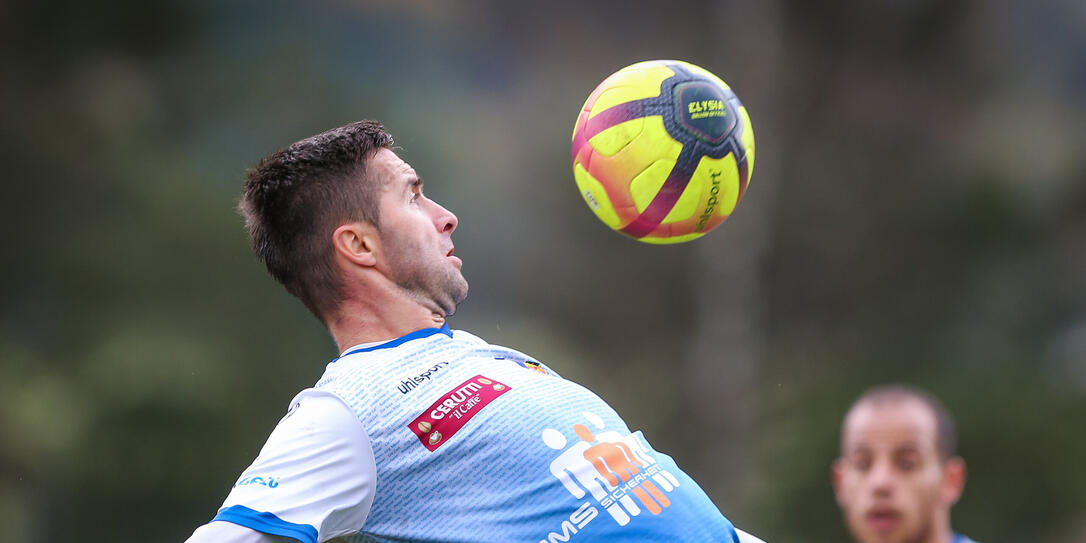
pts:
pixel 941 532
pixel 369 320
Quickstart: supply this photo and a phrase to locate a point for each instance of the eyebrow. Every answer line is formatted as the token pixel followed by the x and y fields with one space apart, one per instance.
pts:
pixel 412 182
pixel 900 448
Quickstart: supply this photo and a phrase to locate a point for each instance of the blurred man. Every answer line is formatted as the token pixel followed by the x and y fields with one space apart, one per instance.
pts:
pixel 418 432
pixel 898 474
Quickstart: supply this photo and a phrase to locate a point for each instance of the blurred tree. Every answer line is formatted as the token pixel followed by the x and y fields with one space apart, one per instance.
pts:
pixel 916 214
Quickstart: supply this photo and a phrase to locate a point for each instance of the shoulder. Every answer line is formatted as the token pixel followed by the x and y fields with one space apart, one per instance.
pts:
pixel 468 337
pixel 321 419
pixel 316 474
pixel 318 408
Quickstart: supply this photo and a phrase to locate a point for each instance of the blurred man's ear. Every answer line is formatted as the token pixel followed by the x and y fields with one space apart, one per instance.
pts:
pixel 838 476
pixel 954 473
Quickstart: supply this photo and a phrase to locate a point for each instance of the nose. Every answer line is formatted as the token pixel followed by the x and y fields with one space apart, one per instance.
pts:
pixel 882 477
pixel 444 219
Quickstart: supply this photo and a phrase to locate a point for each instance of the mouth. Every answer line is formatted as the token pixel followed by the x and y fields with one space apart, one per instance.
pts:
pixel 883 519
pixel 455 259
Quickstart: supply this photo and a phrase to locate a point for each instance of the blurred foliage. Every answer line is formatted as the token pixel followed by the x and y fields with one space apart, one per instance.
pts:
pixel 917 214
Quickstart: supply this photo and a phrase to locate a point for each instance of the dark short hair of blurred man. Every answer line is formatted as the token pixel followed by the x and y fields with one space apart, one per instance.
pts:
pixel 898 474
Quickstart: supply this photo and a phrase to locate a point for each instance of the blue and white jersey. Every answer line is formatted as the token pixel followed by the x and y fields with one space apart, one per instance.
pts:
pixel 439 436
pixel 959 538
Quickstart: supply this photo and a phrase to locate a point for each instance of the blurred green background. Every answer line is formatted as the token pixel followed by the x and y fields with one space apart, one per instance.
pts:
pixel 917 214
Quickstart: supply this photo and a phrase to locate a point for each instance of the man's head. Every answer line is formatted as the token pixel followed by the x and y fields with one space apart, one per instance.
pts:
pixel 347 181
pixel 413 246
pixel 898 474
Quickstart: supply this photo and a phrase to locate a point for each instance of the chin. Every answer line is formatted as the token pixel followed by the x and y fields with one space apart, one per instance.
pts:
pixel 448 306
pixel 460 292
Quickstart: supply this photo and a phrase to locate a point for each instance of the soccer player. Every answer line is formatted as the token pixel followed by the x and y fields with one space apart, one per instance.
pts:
pixel 418 432
pixel 898 474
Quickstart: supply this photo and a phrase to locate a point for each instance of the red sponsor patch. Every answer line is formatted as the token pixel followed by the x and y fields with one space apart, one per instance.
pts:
pixel 454 409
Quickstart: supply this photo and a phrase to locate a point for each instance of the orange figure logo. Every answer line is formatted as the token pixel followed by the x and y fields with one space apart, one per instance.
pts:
pixel 617 463
pixel 613 468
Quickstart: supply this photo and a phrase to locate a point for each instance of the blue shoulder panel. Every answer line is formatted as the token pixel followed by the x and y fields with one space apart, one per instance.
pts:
pixel 267 523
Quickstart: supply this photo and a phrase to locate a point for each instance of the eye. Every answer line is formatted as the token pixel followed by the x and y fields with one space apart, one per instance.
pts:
pixel 908 459
pixel 860 462
pixel 416 191
pixel 907 463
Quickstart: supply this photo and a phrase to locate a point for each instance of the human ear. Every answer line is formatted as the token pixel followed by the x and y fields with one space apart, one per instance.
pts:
pixel 954 473
pixel 838 480
pixel 357 242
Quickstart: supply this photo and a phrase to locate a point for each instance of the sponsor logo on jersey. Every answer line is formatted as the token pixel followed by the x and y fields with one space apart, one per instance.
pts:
pixel 270 482
pixel 617 471
pixel 523 362
pixel 576 522
pixel 454 409
pixel 411 383
pixel 534 366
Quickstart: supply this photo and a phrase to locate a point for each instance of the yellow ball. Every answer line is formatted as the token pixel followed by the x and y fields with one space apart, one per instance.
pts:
pixel 663 151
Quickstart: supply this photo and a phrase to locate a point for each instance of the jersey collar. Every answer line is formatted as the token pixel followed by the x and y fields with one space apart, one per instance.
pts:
pixel 417 334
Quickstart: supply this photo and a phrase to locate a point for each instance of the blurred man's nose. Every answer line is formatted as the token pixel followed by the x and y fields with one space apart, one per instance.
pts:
pixel 881 477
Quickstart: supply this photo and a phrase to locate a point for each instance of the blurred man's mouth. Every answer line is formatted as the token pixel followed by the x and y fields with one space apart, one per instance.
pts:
pixel 883 519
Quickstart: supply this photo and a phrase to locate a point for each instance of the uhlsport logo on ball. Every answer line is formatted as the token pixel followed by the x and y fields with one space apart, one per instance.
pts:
pixel 663 151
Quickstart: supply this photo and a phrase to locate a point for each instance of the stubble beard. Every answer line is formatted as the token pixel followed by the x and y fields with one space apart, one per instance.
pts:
pixel 439 286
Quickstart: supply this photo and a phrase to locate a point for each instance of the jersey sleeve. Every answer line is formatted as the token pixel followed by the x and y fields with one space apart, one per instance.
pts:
pixel 227 532
pixel 313 480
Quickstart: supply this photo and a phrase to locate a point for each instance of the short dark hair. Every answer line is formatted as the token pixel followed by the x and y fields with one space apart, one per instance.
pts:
pixel 946 433
pixel 296 197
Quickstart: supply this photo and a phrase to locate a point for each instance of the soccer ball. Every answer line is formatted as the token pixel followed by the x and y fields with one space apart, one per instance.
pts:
pixel 663 151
